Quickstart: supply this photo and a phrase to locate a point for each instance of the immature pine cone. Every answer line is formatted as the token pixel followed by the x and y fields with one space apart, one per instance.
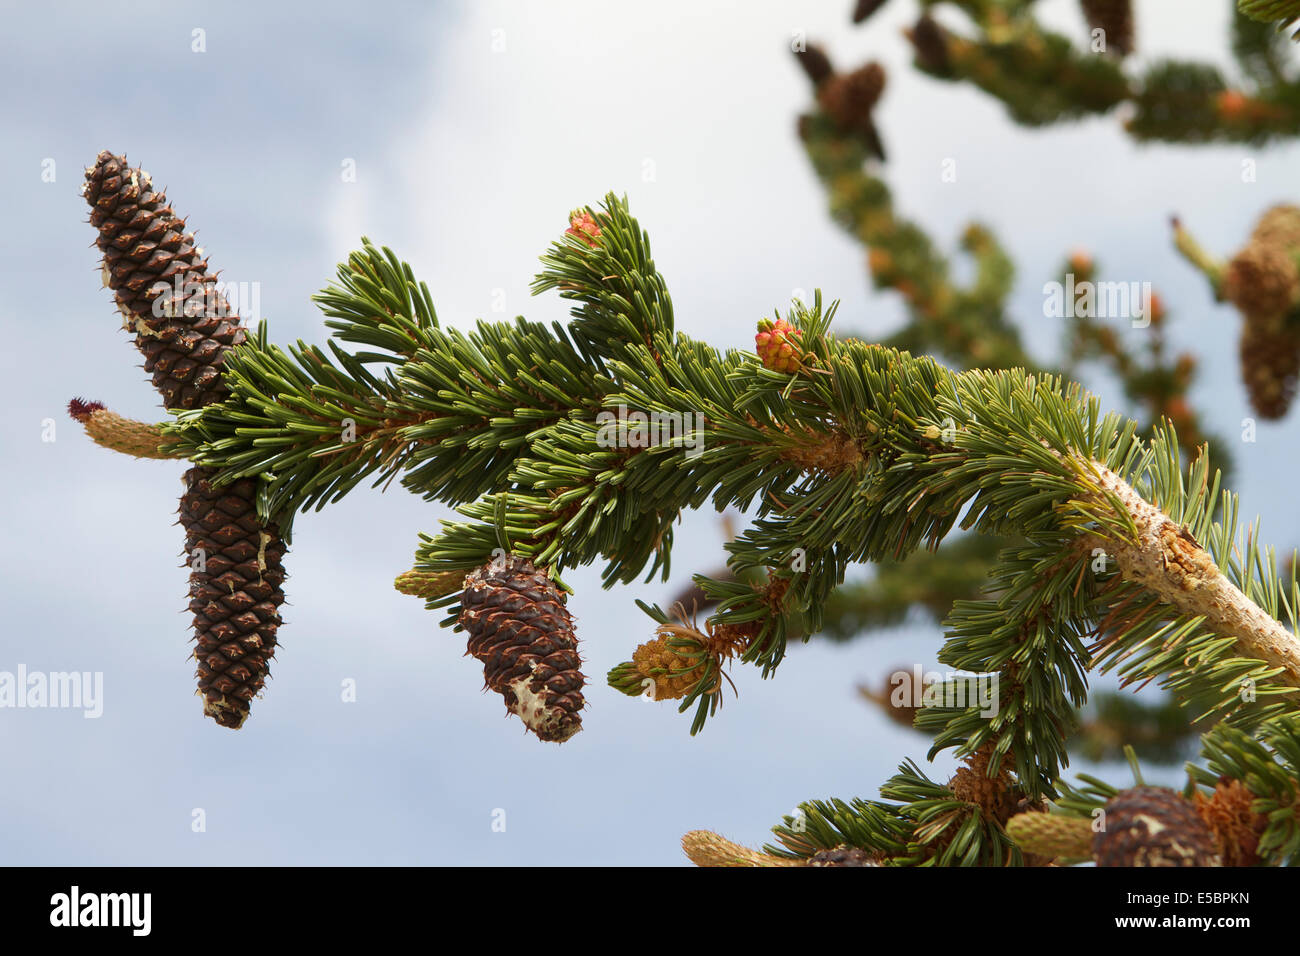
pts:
pixel 673 674
pixel 1236 827
pixel 777 344
pixel 1153 826
pixel 236 580
pixel 520 629
pixel 148 257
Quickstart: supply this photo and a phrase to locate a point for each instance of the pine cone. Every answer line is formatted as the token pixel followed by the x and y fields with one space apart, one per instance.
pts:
pixel 182 326
pixel 673 674
pixel 521 631
pixel 1115 19
pixel 777 344
pixel 995 796
pixel 1270 363
pixel 930 44
pixel 848 98
pixel 1279 226
pixel 1153 826
pixel 1262 279
pixel 865 8
pixel 816 65
pixel 236 579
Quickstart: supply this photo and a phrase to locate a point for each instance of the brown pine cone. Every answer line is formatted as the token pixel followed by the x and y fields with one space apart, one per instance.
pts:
pixel 1270 363
pixel 1279 226
pixel 1262 279
pixel 865 8
pixel 236 579
pixel 848 98
pixel 816 65
pixel 1115 18
pixel 182 325
pixel 930 44
pixel 1153 826
pixel 995 796
pixel 522 632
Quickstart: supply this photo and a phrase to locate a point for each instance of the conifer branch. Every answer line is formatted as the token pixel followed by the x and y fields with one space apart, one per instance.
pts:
pixel 1167 560
pixel 845 452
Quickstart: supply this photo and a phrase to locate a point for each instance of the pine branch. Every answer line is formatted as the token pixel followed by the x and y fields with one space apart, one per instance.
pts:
pixel 846 451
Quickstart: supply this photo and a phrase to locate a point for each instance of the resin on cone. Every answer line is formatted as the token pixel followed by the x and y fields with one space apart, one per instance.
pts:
pixel 523 634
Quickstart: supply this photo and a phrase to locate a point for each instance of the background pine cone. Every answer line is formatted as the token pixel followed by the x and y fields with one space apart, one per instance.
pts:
pixel 521 631
pixel 849 97
pixel 1262 279
pixel 1279 226
pixel 148 257
pixel 1270 363
pixel 1153 826
pixel 235 593
pixel 1115 17
pixel 930 44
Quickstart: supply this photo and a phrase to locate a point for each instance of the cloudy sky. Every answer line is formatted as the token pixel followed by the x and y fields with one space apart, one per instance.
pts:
pixel 473 128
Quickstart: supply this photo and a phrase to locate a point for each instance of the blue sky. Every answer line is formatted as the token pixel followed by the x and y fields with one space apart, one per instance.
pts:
pixel 474 128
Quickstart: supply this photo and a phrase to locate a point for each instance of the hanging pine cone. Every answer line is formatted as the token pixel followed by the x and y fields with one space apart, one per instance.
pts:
pixel 930 44
pixel 1262 279
pixel 1270 363
pixel 236 579
pixel 182 326
pixel 848 98
pixel 184 329
pixel 1153 826
pixel 1115 19
pixel 865 8
pixel 815 63
pixel 520 629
